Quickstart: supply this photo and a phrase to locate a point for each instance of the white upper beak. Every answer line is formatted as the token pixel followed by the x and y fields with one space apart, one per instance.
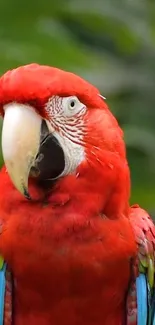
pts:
pixel 20 142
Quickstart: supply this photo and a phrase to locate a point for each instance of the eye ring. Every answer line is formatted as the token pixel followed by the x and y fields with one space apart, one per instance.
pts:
pixel 71 106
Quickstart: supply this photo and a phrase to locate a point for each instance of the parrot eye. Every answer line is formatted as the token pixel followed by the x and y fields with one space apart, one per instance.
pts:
pixel 71 105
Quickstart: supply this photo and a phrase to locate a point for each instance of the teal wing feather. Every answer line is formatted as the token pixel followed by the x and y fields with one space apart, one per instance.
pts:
pixel 141 295
pixel 6 294
pixel 2 289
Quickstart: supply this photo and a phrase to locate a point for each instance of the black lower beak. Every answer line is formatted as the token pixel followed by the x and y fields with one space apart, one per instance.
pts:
pixel 50 161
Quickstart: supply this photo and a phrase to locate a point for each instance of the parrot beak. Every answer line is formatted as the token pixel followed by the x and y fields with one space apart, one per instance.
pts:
pixel 27 144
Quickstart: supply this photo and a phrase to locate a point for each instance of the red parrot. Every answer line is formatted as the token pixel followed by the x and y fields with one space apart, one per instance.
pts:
pixel 76 252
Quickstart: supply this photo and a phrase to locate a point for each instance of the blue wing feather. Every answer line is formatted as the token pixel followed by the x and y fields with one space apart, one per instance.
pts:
pixel 2 292
pixel 153 309
pixel 153 319
pixel 142 300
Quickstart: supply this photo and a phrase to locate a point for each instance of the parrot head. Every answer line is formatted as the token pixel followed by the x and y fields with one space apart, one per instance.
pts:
pixel 57 126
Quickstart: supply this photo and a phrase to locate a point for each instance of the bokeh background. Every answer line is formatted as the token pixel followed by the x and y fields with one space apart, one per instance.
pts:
pixel 111 43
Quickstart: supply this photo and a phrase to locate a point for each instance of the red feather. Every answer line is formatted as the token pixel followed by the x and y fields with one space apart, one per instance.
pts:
pixel 35 84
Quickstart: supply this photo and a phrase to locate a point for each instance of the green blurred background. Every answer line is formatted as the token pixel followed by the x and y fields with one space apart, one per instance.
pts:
pixel 111 43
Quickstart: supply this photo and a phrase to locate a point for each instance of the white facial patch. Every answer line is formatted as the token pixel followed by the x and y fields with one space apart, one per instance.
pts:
pixel 66 118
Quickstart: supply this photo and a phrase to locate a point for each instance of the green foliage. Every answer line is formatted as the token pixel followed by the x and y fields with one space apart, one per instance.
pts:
pixel 110 43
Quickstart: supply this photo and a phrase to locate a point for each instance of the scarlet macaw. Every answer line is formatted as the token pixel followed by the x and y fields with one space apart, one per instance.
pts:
pixel 77 252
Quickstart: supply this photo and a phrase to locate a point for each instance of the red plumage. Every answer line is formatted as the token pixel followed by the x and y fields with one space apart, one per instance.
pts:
pixel 70 249
pixel 35 84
